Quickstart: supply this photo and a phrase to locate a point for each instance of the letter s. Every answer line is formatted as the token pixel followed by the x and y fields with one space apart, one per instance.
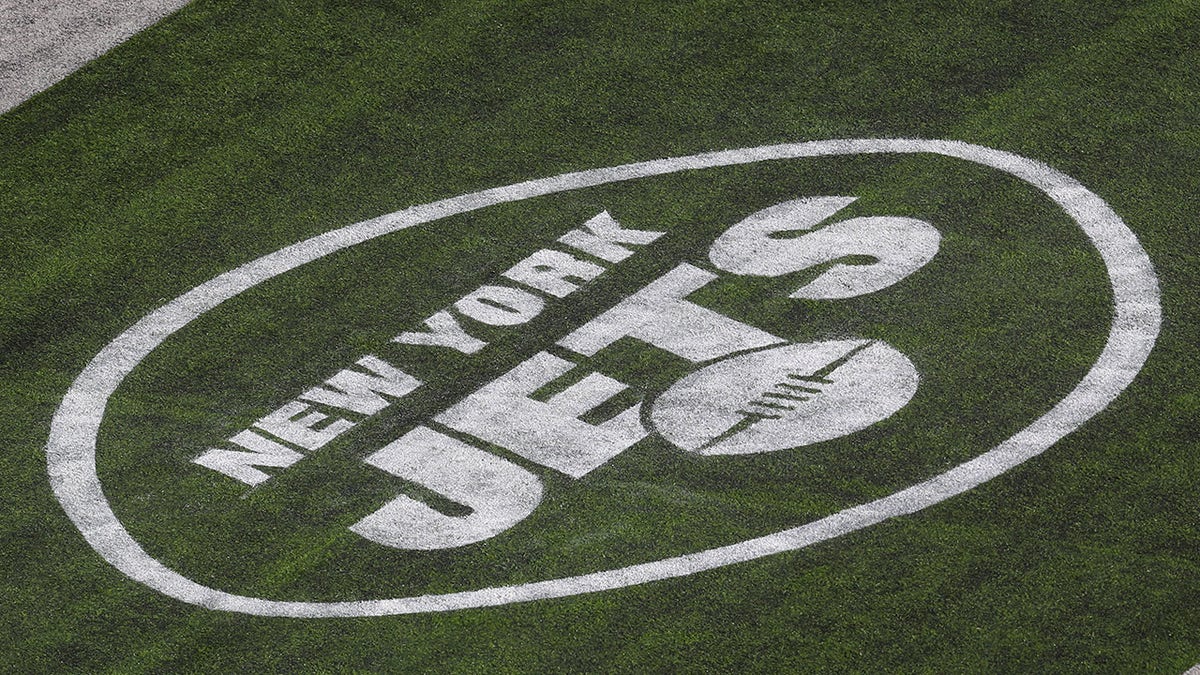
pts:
pixel 900 247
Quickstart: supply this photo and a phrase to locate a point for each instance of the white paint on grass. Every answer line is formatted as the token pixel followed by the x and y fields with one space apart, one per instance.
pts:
pixel 242 464
pixel 500 305
pixel 553 272
pixel 548 432
pixel 785 397
pixel 348 389
pixel 498 493
pixel 602 236
pixel 361 392
pixel 660 315
pixel 297 423
pixel 71 449
pixel 754 246
pixel 43 41
pixel 444 331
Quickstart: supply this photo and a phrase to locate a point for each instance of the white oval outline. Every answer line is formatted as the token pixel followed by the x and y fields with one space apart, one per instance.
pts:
pixel 71 449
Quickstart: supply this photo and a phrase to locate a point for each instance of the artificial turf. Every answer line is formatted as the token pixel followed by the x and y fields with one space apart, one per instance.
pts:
pixel 231 130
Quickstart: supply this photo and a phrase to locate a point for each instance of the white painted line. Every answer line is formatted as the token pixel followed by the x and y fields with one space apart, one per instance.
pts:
pixel 43 41
pixel 71 449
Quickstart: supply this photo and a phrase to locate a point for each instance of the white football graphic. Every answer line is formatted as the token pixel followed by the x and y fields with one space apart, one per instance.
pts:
pixel 785 397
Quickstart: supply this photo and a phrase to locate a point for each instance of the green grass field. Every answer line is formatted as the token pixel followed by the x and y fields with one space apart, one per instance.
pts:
pixel 232 130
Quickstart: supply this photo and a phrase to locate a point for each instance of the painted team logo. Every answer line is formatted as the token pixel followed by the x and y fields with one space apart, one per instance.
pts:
pixel 785 397
pixel 739 390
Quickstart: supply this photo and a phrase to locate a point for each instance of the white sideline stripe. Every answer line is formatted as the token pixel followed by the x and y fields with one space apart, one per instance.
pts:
pixel 71 448
pixel 44 41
